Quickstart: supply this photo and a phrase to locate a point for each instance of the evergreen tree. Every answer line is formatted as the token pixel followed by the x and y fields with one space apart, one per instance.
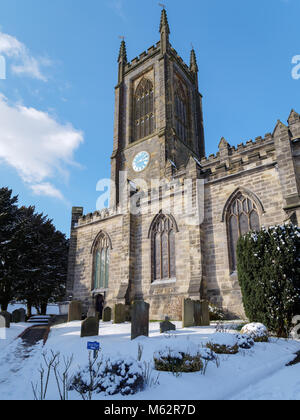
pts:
pixel 269 275
pixel 9 225
pixel 43 258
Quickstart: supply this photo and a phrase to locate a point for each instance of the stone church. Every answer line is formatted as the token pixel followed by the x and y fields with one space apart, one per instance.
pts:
pixel 147 244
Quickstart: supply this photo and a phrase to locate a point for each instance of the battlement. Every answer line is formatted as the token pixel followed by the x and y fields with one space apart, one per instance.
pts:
pixel 183 64
pixel 97 216
pixel 145 55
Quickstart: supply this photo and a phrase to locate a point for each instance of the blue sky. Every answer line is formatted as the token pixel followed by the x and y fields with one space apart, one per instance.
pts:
pixel 57 102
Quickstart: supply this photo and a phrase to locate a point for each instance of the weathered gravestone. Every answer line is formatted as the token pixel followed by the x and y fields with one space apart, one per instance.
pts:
pixel 119 313
pixel 75 311
pixel 139 319
pixel 205 313
pixel 90 327
pixel 188 313
pixel 166 326
pixel 107 312
pixel 16 316
pixel 2 328
pixel 7 318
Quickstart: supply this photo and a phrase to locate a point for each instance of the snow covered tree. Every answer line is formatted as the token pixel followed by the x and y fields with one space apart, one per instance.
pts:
pixel 9 225
pixel 269 276
pixel 43 258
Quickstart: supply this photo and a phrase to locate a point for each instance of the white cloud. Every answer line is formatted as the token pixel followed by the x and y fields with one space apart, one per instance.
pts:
pixel 23 62
pixel 47 190
pixel 37 146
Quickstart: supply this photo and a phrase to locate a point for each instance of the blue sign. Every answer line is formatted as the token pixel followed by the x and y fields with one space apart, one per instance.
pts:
pixel 93 345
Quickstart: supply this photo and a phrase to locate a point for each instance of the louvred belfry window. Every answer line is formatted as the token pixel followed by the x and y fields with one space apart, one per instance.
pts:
pixel 144 120
pixel 163 248
pixel 242 217
pixel 101 263
pixel 181 114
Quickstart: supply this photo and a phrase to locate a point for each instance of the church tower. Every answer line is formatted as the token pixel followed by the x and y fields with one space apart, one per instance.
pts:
pixel 158 113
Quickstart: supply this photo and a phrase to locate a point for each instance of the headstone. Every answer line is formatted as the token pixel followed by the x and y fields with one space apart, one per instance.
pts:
pixel 139 319
pixel 2 328
pixel 201 313
pixel 107 312
pixel 92 312
pixel 75 311
pixel 188 313
pixel 16 316
pixel 166 326
pixel 119 313
pixel 22 314
pixel 7 318
pixel 90 327
pixel 205 313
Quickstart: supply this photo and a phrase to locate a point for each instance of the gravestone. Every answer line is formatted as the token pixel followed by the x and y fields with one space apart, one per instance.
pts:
pixel 107 312
pixel 139 319
pixel 119 313
pixel 22 313
pixel 16 316
pixel 7 317
pixel 75 311
pixel 166 326
pixel 2 328
pixel 90 327
pixel 205 314
pixel 188 313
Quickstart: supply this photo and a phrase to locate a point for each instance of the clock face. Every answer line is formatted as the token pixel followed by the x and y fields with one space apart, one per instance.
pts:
pixel 141 161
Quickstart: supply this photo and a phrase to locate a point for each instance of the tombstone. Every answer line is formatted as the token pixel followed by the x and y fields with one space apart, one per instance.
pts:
pixel 166 326
pixel 119 313
pixel 2 328
pixel 205 314
pixel 90 327
pixel 188 313
pixel 139 319
pixel 22 313
pixel 107 312
pixel 16 316
pixel 75 311
pixel 7 317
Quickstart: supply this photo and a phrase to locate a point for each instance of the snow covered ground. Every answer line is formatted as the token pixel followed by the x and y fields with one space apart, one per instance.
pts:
pixel 259 373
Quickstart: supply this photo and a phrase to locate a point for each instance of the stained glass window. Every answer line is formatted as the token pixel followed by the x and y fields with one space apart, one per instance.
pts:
pixel 101 263
pixel 242 217
pixel 144 110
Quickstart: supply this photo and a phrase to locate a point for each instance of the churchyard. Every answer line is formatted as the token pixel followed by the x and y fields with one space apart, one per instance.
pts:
pixel 257 371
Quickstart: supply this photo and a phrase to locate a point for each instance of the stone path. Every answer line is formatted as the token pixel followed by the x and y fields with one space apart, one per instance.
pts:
pixel 34 334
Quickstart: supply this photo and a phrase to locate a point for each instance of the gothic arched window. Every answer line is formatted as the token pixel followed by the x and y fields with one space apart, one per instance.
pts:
pixel 101 255
pixel 181 113
pixel 144 122
pixel 163 231
pixel 242 216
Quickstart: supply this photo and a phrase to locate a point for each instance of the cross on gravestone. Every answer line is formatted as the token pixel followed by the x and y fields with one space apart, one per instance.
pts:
pixel 166 326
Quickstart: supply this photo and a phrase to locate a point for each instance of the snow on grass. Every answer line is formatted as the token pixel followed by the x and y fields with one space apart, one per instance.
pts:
pixel 248 374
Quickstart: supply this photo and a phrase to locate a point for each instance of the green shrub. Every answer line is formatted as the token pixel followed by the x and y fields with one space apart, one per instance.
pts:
pixel 177 362
pixel 223 343
pixel 269 276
